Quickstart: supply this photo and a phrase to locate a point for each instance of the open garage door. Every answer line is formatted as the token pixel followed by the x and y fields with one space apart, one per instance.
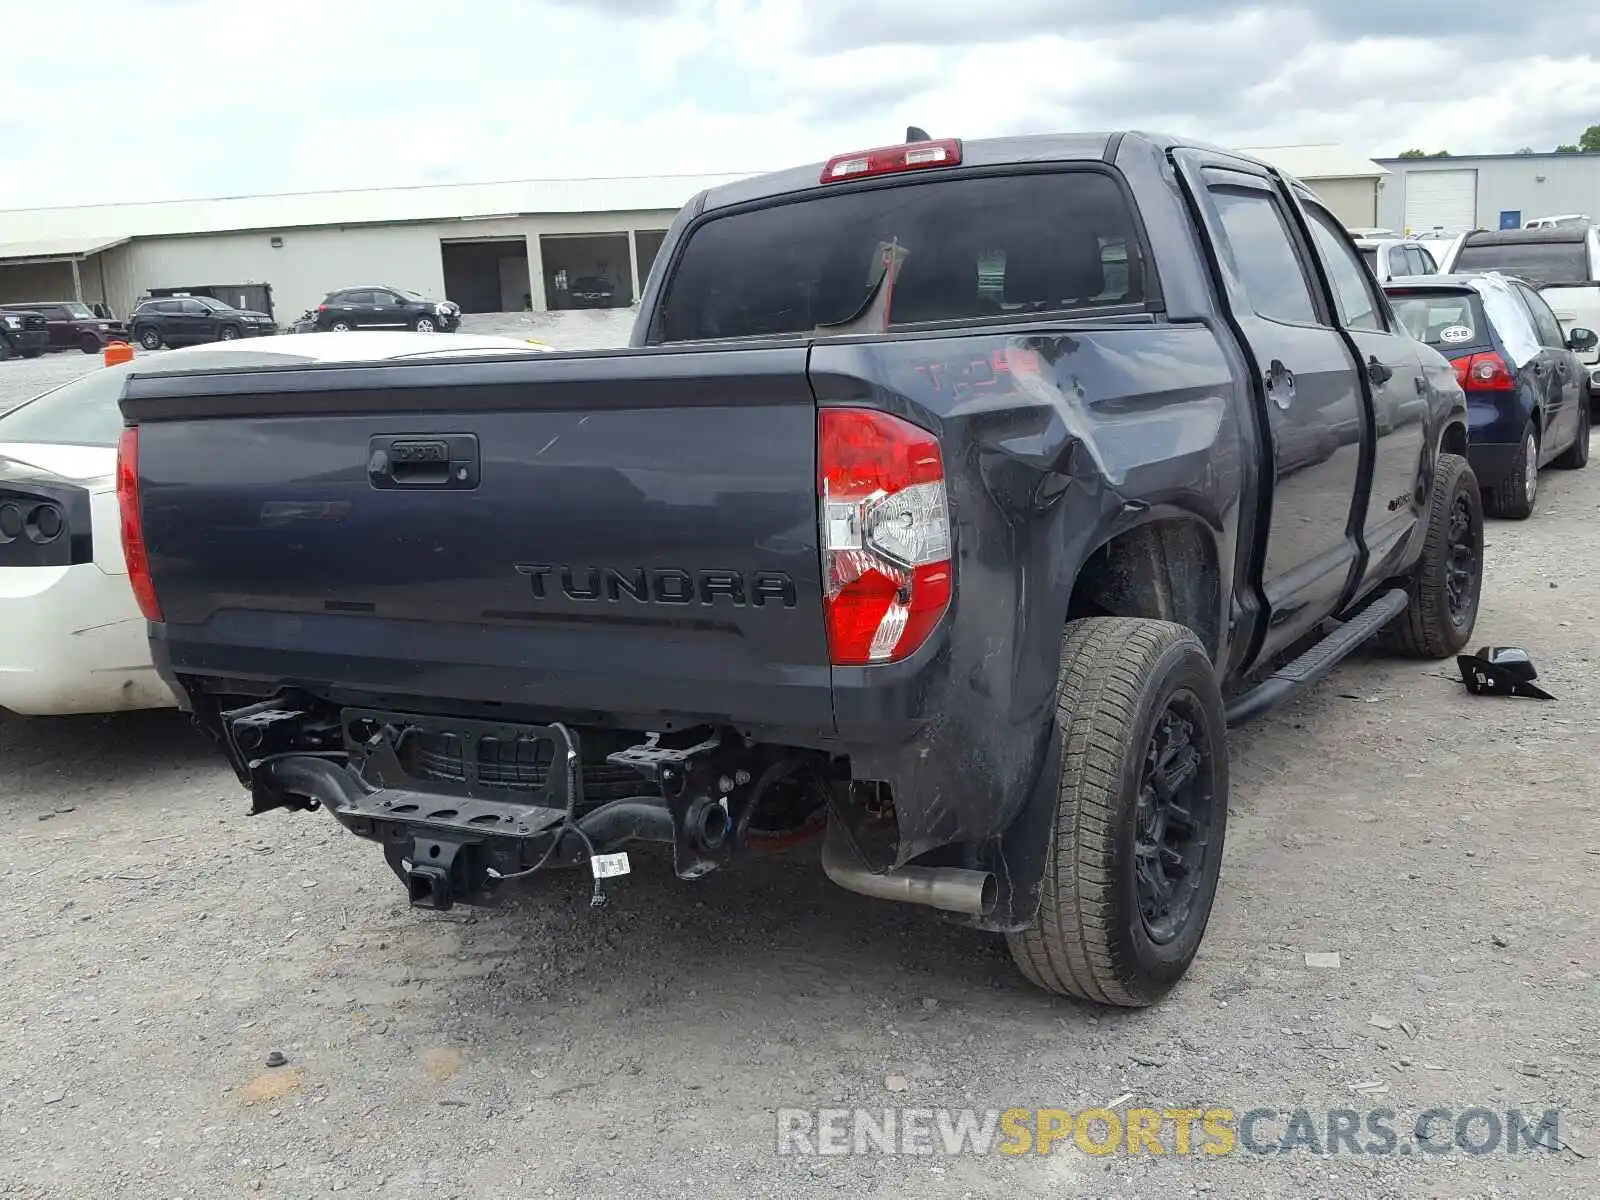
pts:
pixel 587 271
pixel 1442 200
pixel 487 275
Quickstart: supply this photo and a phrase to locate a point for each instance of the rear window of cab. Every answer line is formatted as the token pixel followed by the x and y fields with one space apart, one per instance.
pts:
pixel 973 248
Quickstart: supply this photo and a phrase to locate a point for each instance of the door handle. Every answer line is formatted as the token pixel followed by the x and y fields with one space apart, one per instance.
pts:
pixel 1422 388
pixel 444 461
pixel 1378 372
pixel 1279 384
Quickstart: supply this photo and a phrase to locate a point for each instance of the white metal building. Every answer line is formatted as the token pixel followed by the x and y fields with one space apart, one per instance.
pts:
pixel 492 247
pixel 1486 191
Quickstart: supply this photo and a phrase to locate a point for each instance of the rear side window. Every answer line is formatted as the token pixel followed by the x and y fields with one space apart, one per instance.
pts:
pixel 1258 236
pixel 1544 320
pixel 974 248
pixel 1542 262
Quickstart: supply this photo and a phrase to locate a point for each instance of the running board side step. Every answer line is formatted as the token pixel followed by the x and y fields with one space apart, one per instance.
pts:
pixel 1293 678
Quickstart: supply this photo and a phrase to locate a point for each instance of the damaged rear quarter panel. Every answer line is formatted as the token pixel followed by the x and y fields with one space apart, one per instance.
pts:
pixel 1054 442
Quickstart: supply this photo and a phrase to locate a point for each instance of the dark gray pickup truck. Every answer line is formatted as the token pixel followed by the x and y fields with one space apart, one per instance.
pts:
pixel 951 500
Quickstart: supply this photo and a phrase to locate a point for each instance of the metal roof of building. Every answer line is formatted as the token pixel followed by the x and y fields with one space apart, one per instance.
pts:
pixel 441 202
pixel 1444 164
pixel 52 249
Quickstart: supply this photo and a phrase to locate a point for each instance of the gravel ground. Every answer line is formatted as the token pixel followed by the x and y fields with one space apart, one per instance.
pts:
pixel 159 945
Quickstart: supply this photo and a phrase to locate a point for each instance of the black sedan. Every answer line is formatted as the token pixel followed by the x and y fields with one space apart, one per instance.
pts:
pixel 375 307
pixel 1524 382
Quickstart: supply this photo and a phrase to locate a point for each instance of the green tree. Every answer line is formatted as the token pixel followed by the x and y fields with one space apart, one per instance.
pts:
pixel 1591 139
pixel 1566 148
pixel 1413 154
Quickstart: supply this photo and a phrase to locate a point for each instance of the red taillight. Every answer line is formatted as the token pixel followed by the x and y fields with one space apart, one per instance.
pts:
pixel 1485 372
pixel 133 552
pixel 885 535
pixel 886 160
pixel 322 308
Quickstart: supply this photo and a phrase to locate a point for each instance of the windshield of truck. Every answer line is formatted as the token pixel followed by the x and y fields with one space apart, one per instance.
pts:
pixel 1541 262
pixel 79 312
pixel 1055 242
pixel 85 413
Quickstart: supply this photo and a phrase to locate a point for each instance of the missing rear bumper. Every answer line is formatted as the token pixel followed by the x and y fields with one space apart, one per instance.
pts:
pixel 461 806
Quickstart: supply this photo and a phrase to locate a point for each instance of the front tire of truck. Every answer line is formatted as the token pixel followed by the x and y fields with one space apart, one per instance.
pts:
pixel 1448 580
pixel 1136 844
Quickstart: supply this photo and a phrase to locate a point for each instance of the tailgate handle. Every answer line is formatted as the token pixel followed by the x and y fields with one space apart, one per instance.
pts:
pixel 442 461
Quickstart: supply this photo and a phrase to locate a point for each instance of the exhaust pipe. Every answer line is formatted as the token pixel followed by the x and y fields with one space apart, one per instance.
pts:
pixel 949 889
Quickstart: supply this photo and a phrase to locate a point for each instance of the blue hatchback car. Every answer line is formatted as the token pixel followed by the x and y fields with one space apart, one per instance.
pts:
pixel 1527 390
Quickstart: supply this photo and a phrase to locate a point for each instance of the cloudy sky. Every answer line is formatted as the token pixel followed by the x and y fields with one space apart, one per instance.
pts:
pixel 162 99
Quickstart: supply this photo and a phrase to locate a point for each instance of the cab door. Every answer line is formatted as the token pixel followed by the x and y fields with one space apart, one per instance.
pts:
pixel 1308 397
pixel 1393 499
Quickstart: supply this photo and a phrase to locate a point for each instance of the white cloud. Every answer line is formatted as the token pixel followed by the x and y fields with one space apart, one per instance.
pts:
pixel 174 98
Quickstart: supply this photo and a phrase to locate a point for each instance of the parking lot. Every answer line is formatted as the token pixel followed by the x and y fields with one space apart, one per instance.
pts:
pixel 159 945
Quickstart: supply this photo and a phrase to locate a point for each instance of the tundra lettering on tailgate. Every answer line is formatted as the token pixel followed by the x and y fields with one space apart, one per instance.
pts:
pixel 659 586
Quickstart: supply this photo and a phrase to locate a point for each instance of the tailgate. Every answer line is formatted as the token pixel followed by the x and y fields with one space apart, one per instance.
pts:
pixel 632 534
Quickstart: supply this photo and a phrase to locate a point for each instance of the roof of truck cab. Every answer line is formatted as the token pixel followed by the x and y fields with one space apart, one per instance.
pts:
pixel 1557 235
pixel 1041 148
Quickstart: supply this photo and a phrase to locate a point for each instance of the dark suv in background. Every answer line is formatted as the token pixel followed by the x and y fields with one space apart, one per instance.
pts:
pixel 72 324
pixel 384 307
pixel 191 320
pixel 24 334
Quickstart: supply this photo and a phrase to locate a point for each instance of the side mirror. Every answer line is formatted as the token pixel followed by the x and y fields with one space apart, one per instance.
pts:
pixel 1582 340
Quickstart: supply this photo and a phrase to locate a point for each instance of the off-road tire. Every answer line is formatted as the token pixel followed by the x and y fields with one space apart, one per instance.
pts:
pixel 1576 456
pixel 228 333
pixel 1429 628
pixel 1089 939
pixel 90 344
pixel 1511 498
pixel 149 338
